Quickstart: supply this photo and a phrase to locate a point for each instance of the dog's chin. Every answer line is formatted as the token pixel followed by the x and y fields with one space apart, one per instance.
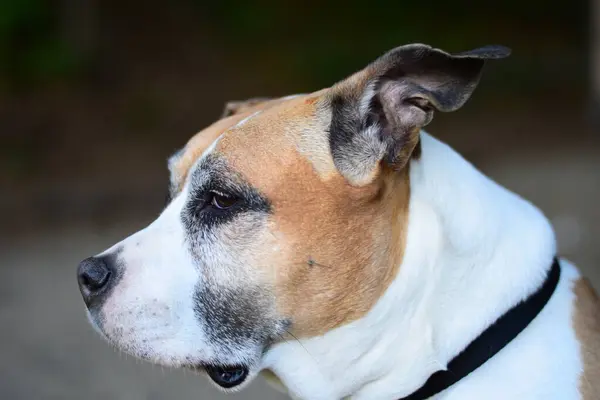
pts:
pixel 227 377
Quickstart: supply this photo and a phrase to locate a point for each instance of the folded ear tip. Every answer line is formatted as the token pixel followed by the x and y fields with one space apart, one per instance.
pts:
pixel 490 52
pixel 499 51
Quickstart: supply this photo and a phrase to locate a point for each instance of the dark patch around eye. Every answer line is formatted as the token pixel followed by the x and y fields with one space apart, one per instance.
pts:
pixel 198 215
pixel 223 202
pixel 230 317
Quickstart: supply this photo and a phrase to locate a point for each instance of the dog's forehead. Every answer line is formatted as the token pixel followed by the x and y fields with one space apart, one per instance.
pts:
pixel 275 138
pixel 181 163
pixel 270 135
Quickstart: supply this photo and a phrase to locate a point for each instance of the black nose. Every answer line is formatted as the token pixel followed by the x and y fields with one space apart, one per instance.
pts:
pixel 94 276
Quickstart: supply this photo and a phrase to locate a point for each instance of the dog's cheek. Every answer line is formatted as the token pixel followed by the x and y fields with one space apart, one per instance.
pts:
pixel 234 301
pixel 234 319
pixel 239 255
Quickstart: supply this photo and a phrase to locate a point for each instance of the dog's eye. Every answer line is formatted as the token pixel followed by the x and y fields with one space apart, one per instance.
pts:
pixel 222 202
pixel 215 202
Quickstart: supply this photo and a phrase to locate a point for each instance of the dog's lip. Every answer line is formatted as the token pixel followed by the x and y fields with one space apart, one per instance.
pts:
pixel 226 376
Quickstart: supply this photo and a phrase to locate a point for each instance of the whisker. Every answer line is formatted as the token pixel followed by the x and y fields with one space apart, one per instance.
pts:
pixel 300 343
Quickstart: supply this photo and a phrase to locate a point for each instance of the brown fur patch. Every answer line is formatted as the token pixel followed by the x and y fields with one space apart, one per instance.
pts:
pixel 339 246
pixel 353 240
pixel 333 248
pixel 236 107
pixel 198 144
pixel 236 112
pixel 587 327
pixel 416 153
pixel 260 103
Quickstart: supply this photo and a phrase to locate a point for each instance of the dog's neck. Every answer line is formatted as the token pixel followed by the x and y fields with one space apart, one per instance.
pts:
pixel 473 251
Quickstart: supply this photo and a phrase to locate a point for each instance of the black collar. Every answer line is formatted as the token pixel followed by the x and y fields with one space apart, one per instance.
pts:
pixel 492 340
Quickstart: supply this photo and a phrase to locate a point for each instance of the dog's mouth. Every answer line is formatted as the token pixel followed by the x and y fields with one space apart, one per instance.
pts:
pixel 226 376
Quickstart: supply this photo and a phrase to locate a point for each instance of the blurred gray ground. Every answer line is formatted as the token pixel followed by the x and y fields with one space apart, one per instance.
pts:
pixel 49 351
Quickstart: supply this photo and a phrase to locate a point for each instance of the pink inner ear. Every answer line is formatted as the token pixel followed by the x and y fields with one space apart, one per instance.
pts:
pixel 404 107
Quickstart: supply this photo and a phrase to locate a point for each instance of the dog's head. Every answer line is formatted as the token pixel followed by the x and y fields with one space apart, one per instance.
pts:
pixel 287 217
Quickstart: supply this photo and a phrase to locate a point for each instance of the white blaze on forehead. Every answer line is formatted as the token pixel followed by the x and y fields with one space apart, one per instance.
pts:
pixel 213 145
pixel 211 148
pixel 242 122
pixel 292 96
pixel 193 170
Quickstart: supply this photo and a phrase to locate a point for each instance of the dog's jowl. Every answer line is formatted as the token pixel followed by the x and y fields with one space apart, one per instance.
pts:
pixel 328 242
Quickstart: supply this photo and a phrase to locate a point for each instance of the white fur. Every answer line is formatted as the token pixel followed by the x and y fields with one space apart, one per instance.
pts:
pixel 292 96
pixel 473 251
pixel 365 101
pixel 150 312
pixel 243 121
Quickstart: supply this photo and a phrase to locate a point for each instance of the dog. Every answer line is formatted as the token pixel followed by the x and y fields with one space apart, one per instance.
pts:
pixel 328 242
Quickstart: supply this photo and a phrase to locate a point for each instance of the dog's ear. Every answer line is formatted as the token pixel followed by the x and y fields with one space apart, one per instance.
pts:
pixel 236 107
pixel 377 113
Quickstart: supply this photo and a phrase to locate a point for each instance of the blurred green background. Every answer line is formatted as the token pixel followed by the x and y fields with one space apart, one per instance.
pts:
pixel 95 95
